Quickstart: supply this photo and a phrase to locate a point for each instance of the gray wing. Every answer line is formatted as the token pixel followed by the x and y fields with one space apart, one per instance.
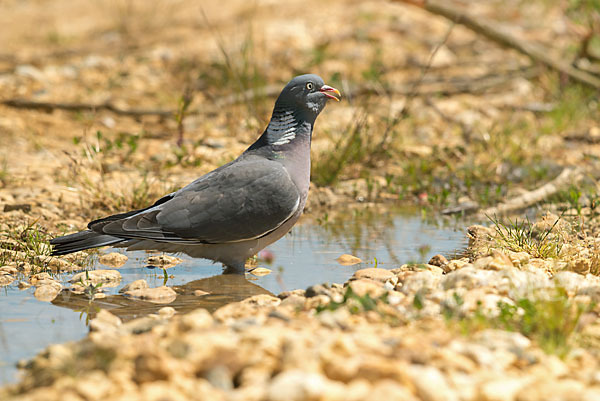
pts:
pixel 242 200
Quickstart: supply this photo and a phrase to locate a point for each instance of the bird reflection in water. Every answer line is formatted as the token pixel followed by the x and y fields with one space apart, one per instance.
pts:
pixel 221 290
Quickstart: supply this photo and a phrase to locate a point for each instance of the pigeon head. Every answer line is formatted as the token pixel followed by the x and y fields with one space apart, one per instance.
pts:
pixel 308 94
pixel 295 112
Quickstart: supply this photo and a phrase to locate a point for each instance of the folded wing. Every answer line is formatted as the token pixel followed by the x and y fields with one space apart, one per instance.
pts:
pixel 240 201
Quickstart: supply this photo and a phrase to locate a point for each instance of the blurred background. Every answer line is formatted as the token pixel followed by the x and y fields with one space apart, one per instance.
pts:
pixel 142 97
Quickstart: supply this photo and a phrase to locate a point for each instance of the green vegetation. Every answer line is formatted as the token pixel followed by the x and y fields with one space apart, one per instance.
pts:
pixel 573 104
pixel 102 156
pixel 239 69
pixel 358 304
pixel 584 199
pixel 26 244
pixel 488 164
pixel 89 289
pixel 354 302
pixel 548 317
pixel 522 236
pixel 123 146
pixel 352 147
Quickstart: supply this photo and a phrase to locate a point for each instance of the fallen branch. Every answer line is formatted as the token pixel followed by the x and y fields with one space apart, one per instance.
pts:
pixel 49 106
pixel 500 35
pixel 461 208
pixel 440 87
pixel 569 176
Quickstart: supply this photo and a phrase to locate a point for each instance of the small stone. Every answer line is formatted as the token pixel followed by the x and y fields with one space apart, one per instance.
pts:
pixel 142 324
pixel 58 265
pixel 294 301
pixel 388 390
pixel 29 71
pixel 420 267
pixel 108 122
pixel 422 280
pixel 593 292
pixel 482 263
pixel 296 385
pixel 591 394
pixel 38 279
pixel 108 278
pixel 348 260
pixel 468 277
pixel 23 285
pixel 570 281
pixel 113 259
pixel 8 270
pixel 317 289
pixel 443 57
pixel 200 293
pixel 104 321
pixel 260 271
pixel 220 377
pixel 500 339
pixel 465 384
pixel 365 286
pixel 375 274
pixel 252 306
pixel 286 294
pixel 500 261
pixel 552 389
pixel 140 284
pixel 431 268
pixel 159 295
pixel 196 319
pixel 93 386
pixel 6 279
pixel 580 265
pixel 163 261
pixel 480 233
pixel 166 312
pixel 316 302
pixel 438 260
pixel 47 292
pixel 484 299
pixel 502 389
pixel 519 258
pixel 431 384
pixel 455 264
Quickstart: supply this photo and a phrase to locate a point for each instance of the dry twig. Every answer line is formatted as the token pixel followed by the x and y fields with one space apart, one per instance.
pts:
pixel 498 34
pixel 426 88
pixel 569 176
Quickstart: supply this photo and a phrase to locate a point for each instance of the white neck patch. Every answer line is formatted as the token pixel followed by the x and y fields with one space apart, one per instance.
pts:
pixel 283 126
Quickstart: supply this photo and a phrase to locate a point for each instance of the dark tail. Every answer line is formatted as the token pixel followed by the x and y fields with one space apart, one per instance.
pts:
pixel 80 241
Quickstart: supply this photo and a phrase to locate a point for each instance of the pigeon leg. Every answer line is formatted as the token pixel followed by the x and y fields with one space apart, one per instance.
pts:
pixel 235 268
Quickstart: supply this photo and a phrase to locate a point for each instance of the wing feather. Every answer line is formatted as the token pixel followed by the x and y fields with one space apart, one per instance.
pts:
pixel 240 201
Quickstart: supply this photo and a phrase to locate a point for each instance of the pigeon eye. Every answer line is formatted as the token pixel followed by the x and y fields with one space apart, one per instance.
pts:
pixel 309 86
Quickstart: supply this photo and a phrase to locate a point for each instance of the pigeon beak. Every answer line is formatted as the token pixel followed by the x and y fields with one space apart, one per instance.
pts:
pixel 328 90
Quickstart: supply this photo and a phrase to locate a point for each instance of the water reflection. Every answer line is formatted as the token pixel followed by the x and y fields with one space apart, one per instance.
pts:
pixel 363 230
pixel 220 290
pixel 302 258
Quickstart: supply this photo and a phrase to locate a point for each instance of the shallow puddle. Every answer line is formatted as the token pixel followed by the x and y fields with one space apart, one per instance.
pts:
pixel 302 258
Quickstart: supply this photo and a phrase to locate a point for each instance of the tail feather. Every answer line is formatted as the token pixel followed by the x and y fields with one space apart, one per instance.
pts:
pixel 80 241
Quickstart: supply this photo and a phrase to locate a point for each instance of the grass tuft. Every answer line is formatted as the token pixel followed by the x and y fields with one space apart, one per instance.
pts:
pixel 550 318
pixel 522 236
